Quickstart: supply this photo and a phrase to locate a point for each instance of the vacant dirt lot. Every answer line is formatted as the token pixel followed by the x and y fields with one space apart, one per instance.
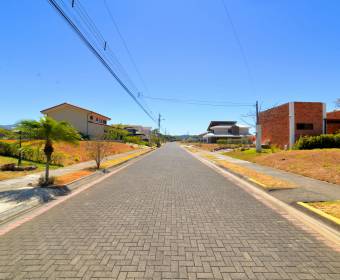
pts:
pixel 321 164
pixel 72 154
pixel 78 153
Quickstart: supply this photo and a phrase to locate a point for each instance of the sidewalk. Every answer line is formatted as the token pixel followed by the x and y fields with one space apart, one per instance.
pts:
pixel 307 190
pixel 31 180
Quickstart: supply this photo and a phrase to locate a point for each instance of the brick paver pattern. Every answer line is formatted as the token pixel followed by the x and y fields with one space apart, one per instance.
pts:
pixel 167 216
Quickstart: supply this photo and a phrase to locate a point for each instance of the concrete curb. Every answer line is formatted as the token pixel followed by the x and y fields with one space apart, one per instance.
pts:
pixel 18 210
pixel 23 208
pixel 320 213
pixel 328 235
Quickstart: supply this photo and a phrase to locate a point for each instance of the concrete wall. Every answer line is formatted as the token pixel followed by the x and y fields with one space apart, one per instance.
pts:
pixel 96 130
pixel 220 130
pixel 79 120
pixel 244 130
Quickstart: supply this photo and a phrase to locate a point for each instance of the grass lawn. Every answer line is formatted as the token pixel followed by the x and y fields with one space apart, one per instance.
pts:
pixel 4 175
pixel 329 207
pixel 249 155
pixel 321 164
pixel 265 181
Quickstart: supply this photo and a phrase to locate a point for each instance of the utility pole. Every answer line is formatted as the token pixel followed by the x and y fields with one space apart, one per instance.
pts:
pixel 159 123
pixel 258 130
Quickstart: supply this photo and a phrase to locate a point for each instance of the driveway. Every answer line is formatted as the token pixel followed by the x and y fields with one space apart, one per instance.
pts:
pixel 167 216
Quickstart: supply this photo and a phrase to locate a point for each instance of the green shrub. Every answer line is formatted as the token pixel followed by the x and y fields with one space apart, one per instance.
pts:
pixel 222 141
pixel 7 134
pixel 6 149
pixel 133 139
pixel 318 142
pixel 32 153
pixel 237 141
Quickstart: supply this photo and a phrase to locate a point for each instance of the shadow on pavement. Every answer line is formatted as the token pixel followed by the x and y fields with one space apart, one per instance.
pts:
pixel 43 194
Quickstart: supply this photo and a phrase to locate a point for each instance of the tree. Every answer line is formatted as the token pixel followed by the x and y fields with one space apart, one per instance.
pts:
pixel 50 131
pixel 7 134
pixel 98 150
pixel 155 138
pixel 116 132
pixel 337 103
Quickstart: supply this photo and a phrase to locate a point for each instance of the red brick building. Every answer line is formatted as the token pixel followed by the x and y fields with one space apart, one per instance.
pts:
pixel 284 124
pixel 333 122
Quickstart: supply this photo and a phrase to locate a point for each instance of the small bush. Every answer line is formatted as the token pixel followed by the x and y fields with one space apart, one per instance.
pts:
pixel 133 139
pixel 237 141
pixel 6 149
pixel 318 142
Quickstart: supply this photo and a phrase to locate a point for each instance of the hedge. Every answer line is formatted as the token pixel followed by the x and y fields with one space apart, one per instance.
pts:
pixel 32 153
pixel 237 141
pixel 318 142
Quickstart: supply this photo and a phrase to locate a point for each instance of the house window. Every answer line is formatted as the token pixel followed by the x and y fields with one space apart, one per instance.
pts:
pixel 96 119
pixel 91 118
pixel 104 122
pixel 304 126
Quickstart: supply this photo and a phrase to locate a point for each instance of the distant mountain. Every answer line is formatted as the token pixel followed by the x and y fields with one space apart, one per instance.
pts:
pixel 8 127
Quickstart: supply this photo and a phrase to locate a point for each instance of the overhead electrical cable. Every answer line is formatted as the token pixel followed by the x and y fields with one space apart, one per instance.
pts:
pixel 239 44
pixel 200 102
pixel 133 62
pixel 97 50
pixel 125 45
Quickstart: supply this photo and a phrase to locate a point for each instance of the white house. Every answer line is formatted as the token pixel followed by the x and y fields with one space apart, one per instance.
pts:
pixel 224 130
pixel 85 121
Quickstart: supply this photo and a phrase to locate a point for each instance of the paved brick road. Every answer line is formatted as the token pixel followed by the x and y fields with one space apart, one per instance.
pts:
pixel 166 217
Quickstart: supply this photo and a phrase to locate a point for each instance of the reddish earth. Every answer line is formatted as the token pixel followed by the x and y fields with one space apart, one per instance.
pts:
pixel 321 164
pixel 72 154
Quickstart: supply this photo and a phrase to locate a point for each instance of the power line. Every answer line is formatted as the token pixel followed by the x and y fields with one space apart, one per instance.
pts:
pixel 98 54
pixel 125 45
pixel 200 102
pixel 133 62
pixel 239 43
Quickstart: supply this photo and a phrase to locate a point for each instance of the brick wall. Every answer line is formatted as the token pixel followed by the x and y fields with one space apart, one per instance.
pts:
pixel 275 125
pixel 333 121
pixel 275 122
pixel 309 113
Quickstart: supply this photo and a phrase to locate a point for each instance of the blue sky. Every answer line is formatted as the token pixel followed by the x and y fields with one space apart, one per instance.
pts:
pixel 184 49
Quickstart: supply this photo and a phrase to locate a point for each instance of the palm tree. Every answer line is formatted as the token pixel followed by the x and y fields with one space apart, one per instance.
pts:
pixel 50 131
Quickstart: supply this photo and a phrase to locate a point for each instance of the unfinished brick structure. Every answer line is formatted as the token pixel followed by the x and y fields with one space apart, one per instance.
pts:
pixel 333 122
pixel 284 124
